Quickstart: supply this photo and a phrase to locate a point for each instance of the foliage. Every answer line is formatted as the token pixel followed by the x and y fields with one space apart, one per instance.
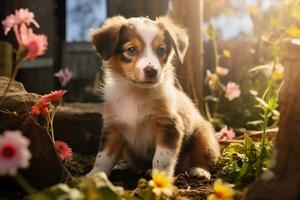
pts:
pixel 98 186
pixel 94 187
pixel 239 163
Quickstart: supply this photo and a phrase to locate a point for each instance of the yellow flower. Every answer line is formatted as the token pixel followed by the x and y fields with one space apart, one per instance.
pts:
pixel 293 31
pixel 226 53
pixel 222 191
pixel 161 183
pixel 278 73
pixel 253 10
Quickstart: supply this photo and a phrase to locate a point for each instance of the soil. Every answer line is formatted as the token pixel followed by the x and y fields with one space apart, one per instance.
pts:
pixel 188 187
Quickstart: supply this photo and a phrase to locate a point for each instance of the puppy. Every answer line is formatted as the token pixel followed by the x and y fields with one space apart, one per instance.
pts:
pixel 147 120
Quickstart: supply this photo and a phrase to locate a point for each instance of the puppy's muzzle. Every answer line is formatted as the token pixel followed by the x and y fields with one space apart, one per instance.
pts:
pixel 150 72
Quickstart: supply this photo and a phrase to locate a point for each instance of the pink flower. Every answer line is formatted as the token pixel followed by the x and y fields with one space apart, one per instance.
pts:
pixel 64 76
pixel 54 97
pixel 41 107
pixel 33 43
pixel 22 16
pixel 232 91
pixel 211 79
pixel 222 71
pixel 220 2
pixel 225 134
pixel 14 152
pixel 63 150
pixel 8 23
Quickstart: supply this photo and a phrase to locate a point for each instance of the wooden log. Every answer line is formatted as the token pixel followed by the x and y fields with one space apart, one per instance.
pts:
pixel 190 73
pixel 282 179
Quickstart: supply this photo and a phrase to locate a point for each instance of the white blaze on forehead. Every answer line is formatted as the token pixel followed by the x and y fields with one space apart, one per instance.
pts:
pixel 147 30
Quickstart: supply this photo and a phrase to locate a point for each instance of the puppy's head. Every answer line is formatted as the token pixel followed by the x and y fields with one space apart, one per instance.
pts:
pixel 140 49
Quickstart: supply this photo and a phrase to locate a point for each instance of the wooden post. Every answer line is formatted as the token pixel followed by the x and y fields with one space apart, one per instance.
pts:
pixel 282 180
pixel 190 73
pixel 6 61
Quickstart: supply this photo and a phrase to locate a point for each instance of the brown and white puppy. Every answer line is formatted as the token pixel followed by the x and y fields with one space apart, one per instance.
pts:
pixel 147 120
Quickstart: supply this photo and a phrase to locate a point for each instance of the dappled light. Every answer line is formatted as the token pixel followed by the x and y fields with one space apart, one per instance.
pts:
pixel 149 99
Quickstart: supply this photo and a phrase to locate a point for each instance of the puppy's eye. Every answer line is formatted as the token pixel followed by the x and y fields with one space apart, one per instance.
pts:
pixel 161 51
pixel 131 51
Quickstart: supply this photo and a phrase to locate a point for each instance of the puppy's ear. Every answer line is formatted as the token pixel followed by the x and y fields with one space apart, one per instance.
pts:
pixel 178 36
pixel 106 38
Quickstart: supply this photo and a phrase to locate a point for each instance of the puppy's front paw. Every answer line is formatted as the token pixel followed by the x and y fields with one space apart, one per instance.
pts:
pixel 200 173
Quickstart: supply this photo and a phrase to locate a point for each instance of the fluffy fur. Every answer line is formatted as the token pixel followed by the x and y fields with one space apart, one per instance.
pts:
pixel 148 121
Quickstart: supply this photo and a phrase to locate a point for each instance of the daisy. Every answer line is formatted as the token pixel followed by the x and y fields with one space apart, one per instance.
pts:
pixel 222 191
pixel 14 152
pixel 54 97
pixel 225 134
pixel 41 107
pixel 21 16
pixel 232 91
pixel 34 44
pixel 64 76
pixel 64 151
pixel 161 183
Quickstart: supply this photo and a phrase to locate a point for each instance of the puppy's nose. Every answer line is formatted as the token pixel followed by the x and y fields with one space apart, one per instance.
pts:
pixel 150 72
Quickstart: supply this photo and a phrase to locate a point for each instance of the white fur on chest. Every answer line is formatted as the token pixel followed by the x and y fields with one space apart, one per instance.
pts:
pixel 127 109
pixel 131 110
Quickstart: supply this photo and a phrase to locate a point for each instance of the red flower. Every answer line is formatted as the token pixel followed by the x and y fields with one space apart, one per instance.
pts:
pixel 54 97
pixel 34 44
pixel 64 151
pixel 41 107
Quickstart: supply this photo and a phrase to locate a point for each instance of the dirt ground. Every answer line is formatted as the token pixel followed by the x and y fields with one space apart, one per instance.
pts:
pixel 189 187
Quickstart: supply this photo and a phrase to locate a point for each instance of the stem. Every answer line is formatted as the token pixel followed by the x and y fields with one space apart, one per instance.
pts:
pixel 207 111
pixel 13 76
pixel 265 125
pixel 215 49
pixel 271 81
pixel 51 125
pixel 25 185
pixel 263 142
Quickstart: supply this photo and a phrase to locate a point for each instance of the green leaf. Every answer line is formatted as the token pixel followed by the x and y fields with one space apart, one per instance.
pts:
pixel 255 123
pixel 272 103
pixel 99 187
pixel 259 68
pixel 211 98
pixel 211 31
pixel 262 102
pixel 59 191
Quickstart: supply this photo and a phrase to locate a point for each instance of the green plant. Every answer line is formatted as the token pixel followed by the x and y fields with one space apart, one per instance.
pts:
pixel 239 163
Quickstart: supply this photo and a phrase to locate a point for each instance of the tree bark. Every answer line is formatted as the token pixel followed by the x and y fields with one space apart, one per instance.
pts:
pixel 282 180
pixel 190 73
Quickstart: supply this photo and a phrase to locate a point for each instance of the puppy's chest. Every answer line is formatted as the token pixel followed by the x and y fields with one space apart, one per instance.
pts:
pixel 134 114
pixel 129 110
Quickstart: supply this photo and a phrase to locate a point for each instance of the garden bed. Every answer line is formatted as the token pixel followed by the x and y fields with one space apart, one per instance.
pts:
pixel 190 187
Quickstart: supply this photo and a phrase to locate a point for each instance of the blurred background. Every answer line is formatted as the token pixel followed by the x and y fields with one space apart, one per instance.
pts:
pixel 239 26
